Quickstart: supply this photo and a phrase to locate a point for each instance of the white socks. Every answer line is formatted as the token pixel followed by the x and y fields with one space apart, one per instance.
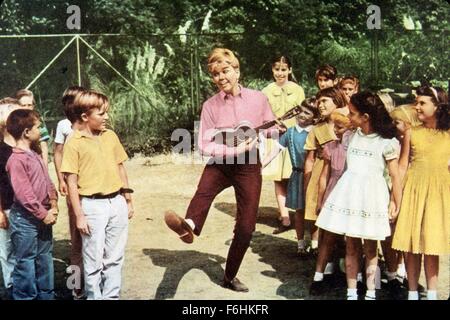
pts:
pixel 351 294
pixel 431 295
pixel 413 295
pixel 190 223
pixel 370 295
pixel 318 276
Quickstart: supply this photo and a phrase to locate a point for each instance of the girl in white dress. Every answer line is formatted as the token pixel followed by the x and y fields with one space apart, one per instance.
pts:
pixel 359 207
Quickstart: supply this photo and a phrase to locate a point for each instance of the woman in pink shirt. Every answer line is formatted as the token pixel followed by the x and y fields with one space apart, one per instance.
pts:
pixel 229 165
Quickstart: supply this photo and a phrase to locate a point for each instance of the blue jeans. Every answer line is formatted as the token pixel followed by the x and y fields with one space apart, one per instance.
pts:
pixel 7 259
pixel 33 276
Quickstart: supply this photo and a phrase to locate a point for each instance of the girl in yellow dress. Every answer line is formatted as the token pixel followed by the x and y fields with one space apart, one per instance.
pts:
pixel 423 226
pixel 283 95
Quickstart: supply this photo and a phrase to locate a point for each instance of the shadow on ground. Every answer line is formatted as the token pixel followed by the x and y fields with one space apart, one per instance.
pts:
pixel 295 274
pixel 266 215
pixel 177 263
pixel 61 249
pixel 61 253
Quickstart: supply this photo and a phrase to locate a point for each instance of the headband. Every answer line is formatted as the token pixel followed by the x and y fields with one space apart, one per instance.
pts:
pixel 435 93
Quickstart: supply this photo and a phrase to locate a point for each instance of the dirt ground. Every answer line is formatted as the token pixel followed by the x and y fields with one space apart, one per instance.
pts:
pixel 160 266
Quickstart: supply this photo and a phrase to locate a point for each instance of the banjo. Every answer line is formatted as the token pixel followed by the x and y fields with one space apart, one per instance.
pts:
pixel 232 137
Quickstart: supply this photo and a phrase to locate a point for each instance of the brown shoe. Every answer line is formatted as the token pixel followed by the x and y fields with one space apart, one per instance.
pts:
pixel 235 285
pixel 179 225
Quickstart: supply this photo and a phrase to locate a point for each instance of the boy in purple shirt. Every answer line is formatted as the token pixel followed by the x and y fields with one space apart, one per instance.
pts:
pixel 231 106
pixel 33 212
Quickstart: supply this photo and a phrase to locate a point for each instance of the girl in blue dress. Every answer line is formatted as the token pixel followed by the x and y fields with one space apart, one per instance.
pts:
pixel 294 140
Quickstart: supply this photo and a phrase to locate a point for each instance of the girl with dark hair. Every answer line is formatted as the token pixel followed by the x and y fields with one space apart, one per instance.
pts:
pixel 283 94
pixel 326 76
pixel 423 227
pixel 364 213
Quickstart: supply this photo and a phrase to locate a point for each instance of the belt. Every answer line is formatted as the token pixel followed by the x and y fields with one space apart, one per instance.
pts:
pixel 102 196
pixel 297 169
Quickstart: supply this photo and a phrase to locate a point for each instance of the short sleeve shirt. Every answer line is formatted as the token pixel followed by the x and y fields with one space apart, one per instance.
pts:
pixel 63 130
pixel 95 160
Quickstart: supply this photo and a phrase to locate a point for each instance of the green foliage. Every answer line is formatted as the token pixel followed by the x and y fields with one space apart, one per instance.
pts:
pixel 165 44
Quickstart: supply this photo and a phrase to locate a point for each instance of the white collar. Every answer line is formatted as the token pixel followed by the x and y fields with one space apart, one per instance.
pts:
pixel 300 129
pixel 370 135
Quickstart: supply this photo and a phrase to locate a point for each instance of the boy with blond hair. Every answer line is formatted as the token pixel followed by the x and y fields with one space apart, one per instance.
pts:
pixel 98 190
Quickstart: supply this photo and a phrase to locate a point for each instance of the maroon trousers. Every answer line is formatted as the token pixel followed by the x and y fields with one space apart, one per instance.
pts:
pixel 246 180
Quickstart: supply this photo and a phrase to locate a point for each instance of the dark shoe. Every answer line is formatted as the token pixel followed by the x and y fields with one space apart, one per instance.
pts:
pixel 179 225
pixel 396 291
pixel 314 252
pixel 235 285
pixel 361 288
pixel 337 279
pixel 317 288
pixel 302 253
pixel 282 228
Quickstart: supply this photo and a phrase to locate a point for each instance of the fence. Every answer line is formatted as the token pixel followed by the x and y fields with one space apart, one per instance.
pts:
pixel 157 82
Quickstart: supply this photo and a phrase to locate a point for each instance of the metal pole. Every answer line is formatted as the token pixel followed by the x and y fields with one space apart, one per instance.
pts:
pixel 78 60
pixel 50 63
pixel 197 77
pixel 192 76
pixel 376 47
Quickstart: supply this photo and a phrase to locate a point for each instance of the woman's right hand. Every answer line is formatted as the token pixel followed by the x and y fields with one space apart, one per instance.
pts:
pixel 247 145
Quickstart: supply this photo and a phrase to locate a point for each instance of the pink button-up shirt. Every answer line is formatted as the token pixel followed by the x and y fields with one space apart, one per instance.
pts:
pixel 30 181
pixel 227 111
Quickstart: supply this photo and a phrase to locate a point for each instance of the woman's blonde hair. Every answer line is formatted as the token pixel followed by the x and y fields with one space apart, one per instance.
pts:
pixel 406 113
pixel 220 58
